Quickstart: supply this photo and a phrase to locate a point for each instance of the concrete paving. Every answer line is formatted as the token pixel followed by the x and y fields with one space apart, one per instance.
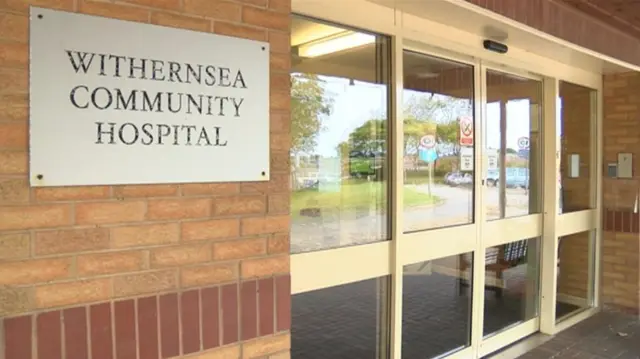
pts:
pixel 607 335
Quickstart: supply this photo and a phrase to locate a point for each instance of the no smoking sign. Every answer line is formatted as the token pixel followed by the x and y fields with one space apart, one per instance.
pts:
pixel 466 131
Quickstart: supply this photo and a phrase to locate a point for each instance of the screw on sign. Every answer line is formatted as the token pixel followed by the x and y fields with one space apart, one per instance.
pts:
pixel 466 131
pixel 428 141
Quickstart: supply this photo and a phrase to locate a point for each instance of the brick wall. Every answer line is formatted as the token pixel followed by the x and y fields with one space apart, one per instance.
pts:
pixel 144 271
pixel 621 241
pixel 573 278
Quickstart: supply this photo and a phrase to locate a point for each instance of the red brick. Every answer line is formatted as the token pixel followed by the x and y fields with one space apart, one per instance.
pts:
pixel 61 294
pixel 17 337
pixel 101 342
pixel 210 318
pixel 49 335
pixel 266 296
pixel 23 5
pixel 15 162
pixel 181 21
pixel 265 225
pixel 241 31
pixel 159 4
pixel 279 204
pixel 280 62
pixel 209 189
pixel 211 273
pixel 262 3
pixel 143 191
pixel 145 235
pixel 71 241
pixel 179 209
pixel 14 246
pixel 283 303
pixel 148 327
pixel 109 263
pixel 280 42
pixel 278 244
pixel 51 194
pixel 240 205
pixel 31 217
pixel 75 333
pixel 122 12
pixel 110 212
pixel 145 282
pixel 190 316
pixel 169 339
pixel 210 230
pixel 264 267
pixel 264 18
pixel 229 304
pixel 280 5
pixel 14 27
pixel 34 271
pixel 125 330
pixel 14 191
pixel 216 9
pixel 180 255
pixel 239 249
pixel 13 80
pixel 249 310
pixel 13 135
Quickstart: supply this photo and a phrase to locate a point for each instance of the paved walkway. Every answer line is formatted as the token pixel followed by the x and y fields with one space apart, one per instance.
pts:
pixel 607 335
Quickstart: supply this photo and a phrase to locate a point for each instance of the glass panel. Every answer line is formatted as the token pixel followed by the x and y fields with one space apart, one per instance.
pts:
pixel 574 288
pixel 339 161
pixel 436 306
pixel 344 322
pixel 438 142
pixel 511 284
pixel 577 107
pixel 513 144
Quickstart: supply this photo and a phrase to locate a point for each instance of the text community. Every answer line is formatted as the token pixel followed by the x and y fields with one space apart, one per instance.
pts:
pixel 213 104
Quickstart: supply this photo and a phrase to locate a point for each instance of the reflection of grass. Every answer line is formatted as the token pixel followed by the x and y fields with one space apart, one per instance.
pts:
pixel 351 195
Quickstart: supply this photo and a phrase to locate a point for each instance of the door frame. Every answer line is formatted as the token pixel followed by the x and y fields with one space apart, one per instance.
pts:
pixel 388 258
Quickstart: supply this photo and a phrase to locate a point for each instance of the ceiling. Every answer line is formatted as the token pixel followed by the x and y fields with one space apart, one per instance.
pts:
pixel 621 14
pixel 358 63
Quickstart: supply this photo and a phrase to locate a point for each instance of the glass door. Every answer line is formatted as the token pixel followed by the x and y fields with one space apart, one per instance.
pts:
pixel 511 216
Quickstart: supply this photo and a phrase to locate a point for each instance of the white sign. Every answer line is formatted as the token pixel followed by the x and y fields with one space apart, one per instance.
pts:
pixel 466 131
pixel 523 143
pixel 428 141
pixel 492 159
pixel 116 102
pixel 466 159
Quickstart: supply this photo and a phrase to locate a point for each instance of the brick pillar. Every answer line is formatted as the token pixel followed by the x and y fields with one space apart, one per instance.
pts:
pixel 621 241
pixel 144 271
pixel 574 256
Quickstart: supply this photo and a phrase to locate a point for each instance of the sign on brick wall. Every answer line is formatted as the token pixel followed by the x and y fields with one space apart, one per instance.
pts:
pixel 116 102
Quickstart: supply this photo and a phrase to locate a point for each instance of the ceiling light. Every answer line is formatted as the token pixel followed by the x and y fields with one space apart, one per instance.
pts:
pixel 343 41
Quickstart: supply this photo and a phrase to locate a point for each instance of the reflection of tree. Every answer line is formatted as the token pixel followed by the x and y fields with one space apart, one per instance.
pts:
pixel 309 102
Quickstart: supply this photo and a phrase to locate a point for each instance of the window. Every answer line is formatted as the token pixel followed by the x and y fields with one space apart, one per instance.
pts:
pixel 339 115
pixel 438 142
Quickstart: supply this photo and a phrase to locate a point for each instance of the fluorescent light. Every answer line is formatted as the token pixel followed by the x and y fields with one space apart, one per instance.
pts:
pixel 341 42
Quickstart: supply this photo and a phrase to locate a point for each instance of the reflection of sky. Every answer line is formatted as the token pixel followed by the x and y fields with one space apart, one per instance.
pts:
pixel 353 105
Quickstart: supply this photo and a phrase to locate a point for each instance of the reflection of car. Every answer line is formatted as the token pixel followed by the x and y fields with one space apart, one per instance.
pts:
pixel 516 177
pixel 458 179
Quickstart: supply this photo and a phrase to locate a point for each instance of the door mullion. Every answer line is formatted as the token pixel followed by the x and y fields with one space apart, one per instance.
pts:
pixel 478 275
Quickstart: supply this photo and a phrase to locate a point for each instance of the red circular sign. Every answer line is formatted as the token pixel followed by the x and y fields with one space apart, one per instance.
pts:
pixel 466 126
pixel 428 141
